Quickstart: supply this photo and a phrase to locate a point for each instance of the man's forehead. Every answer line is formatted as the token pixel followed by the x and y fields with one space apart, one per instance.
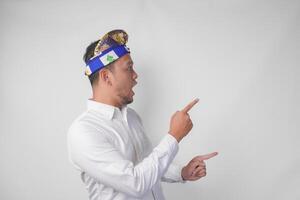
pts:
pixel 127 59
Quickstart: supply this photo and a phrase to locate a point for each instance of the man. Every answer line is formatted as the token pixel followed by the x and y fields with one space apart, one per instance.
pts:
pixel 107 142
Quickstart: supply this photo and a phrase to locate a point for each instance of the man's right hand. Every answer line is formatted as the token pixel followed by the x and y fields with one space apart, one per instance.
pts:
pixel 181 123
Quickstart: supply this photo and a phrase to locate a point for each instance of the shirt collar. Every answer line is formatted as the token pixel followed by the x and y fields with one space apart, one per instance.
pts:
pixel 108 111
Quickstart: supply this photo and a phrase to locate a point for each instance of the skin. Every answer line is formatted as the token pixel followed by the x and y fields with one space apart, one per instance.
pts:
pixel 115 88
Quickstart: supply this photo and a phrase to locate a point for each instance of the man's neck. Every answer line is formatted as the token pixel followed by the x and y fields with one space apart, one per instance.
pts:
pixel 106 99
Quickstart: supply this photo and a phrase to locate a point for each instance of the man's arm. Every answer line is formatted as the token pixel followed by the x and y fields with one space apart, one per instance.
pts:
pixel 180 123
pixel 100 159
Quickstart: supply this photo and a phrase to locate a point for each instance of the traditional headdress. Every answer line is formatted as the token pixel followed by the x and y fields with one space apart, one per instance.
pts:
pixel 110 47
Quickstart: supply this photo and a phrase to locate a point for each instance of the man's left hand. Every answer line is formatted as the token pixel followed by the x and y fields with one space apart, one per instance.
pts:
pixel 196 168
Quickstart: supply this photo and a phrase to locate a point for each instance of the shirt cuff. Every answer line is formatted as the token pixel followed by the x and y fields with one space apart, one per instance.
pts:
pixel 177 171
pixel 168 145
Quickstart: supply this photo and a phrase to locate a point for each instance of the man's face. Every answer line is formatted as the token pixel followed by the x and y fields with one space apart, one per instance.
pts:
pixel 124 79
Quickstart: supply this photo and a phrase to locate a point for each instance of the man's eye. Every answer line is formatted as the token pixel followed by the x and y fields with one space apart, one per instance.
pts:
pixel 130 68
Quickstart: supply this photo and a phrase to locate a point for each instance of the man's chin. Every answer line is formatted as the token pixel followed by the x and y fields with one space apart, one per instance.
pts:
pixel 129 98
pixel 129 101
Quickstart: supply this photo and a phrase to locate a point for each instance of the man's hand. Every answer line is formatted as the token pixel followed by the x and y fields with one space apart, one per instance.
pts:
pixel 181 123
pixel 196 168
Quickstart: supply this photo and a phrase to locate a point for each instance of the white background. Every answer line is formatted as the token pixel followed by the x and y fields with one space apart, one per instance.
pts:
pixel 240 57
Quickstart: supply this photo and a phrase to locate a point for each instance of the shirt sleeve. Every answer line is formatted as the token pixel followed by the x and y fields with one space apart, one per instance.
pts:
pixel 173 174
pixel 92 153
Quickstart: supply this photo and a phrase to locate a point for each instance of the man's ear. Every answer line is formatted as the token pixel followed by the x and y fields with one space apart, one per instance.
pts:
pixel 105 76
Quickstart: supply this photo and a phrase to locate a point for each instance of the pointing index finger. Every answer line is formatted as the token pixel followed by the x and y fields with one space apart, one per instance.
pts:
pixel 208 156
pixel 190 105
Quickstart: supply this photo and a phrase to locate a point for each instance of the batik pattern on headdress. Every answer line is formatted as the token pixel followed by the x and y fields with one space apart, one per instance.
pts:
pixel 110 39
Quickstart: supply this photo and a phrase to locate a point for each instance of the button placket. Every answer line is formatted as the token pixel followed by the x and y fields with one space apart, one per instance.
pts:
pixel 123 120
pixel 131 138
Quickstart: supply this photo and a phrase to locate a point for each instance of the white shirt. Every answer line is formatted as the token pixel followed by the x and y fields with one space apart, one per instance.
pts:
pixel 115 157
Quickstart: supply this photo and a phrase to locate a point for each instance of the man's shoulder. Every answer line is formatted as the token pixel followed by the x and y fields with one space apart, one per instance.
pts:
pixel 78 121
pixel 85 121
